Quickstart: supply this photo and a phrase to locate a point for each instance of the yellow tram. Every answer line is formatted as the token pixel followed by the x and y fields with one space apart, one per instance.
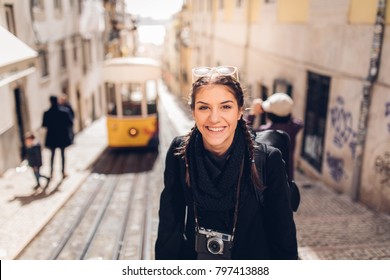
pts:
pixel 131 91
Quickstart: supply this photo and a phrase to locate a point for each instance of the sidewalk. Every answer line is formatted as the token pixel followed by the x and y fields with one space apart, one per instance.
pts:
pixel 23 211
pixel 332 227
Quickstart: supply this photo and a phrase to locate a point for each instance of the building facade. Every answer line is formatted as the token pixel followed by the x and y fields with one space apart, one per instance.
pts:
pixel 332 57
pixel 67 37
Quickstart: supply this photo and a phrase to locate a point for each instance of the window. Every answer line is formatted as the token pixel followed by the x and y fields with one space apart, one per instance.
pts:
pixel 221 2
pixel 151 97
pixel 315 119
pixel 100 49
pixel 80 6
pixel 38 5
pixel 57 7
pixel 38 9
pixel 62 55
pixel 74 46
pixel 87 56
pixel 43 62
pixel 10 19
pixel 131 99
pixel 111 99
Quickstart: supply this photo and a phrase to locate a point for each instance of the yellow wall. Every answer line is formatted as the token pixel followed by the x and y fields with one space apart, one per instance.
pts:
pixel 215 9
pixel 254 10
pixel 229 7
pixel 364 11
pixel 296 11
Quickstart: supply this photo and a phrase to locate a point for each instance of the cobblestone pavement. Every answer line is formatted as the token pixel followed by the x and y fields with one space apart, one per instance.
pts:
pixel 330 226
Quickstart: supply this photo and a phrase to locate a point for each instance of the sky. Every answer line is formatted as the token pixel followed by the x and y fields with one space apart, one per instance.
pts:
pixel 158 9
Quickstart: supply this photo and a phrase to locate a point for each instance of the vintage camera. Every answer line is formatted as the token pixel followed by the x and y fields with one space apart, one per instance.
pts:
pixel 211 244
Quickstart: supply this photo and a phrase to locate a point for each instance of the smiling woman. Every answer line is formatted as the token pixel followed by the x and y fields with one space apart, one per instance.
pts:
pixel 209 208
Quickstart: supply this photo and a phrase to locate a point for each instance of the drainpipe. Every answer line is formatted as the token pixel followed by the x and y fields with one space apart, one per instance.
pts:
pixel 376 48
pixel 245 66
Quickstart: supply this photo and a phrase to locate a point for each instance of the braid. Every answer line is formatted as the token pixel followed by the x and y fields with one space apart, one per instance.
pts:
pixel 182 151
pixel 251 151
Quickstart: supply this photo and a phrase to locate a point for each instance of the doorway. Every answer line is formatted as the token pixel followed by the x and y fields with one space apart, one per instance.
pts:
pixel 21 118
pixel 315 119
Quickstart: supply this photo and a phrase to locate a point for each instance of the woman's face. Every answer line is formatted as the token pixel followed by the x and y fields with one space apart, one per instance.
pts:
pixel 216 113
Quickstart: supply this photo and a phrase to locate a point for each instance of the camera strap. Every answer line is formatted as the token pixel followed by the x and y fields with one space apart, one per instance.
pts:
pixel 235 207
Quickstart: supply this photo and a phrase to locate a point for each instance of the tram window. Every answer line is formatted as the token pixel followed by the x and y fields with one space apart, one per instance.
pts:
pixel 131 100
pixel 151 93
pixel 111 100
pixel 152 108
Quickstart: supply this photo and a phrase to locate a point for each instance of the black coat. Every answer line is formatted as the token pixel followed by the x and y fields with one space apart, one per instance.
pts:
pixel 58 122
pixel 264 231
pixel 34 155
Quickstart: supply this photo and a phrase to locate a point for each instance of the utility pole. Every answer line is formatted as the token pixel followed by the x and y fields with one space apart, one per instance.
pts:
pixel 376 49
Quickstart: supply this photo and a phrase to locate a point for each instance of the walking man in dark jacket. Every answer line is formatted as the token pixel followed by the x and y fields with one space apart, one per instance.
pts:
pixel 57 121
pixel 64 103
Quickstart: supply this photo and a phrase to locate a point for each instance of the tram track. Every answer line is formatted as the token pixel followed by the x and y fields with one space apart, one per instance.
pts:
pixel 64 240
pixel 87 228
pixel 108 232
pixel 115 209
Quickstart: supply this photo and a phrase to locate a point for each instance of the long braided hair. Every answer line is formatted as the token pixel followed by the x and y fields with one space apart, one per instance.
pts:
pixel 238 93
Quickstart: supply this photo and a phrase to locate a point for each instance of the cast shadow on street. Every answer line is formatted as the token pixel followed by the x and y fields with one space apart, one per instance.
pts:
pixel 122 161
pixel 40 193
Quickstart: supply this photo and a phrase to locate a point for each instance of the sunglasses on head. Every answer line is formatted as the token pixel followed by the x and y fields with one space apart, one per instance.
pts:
pixel 199 72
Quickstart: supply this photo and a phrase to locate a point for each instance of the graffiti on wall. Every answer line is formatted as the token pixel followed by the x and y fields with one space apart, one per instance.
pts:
pixel 341 121
pixel 336 167
pixel 382 168
pixel 344 135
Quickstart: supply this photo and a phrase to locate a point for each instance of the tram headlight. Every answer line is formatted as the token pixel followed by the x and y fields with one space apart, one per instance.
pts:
pixel 133 132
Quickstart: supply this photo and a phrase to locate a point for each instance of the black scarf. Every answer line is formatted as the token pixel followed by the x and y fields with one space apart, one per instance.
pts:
pixel 221 195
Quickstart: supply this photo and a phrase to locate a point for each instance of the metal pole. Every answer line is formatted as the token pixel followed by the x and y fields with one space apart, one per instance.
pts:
pixel 376 48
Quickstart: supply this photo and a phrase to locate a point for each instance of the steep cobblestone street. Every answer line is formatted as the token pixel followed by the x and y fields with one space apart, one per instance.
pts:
pixel 330 226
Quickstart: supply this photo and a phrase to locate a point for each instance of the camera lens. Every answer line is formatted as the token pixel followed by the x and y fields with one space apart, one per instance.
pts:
pixel 215 245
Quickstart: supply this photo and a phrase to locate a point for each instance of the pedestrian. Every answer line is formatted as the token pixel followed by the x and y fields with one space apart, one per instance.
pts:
pixel 57 121
pixel 278 108
pixel 209 208
pixel 255 114
pixel 64 102
pixel 34 157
